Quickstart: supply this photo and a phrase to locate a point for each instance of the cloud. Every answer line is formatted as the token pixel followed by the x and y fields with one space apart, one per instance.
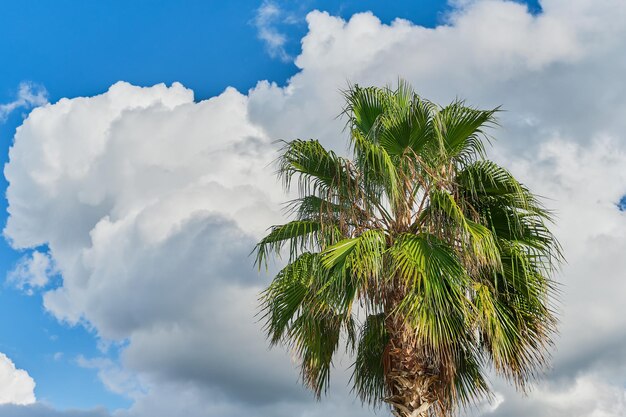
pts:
pixel 42 410
pixel 561 131
pixel 150 202
pixel 190 400
pixel 593 234
pixel 16 386
pixel 266 21
pixel 587 396
pixel 29 95
pixel 114 378
pixel 32 271
pixel 150 216
pixel 589 361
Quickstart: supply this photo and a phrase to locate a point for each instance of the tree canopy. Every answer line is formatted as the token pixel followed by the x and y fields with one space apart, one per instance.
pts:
pixel 428 262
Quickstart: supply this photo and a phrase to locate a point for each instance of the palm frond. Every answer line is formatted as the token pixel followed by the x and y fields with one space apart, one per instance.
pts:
pixel 300 235
pixel 320 171
pixel 461 130
pixel 470 385
pixel 363 107
pixel 477 240
pixel 435 304
pixel 368 376
pixel 285 296
pixel 315 339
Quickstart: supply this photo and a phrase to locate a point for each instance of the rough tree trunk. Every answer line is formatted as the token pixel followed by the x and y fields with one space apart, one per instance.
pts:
pixel 414 381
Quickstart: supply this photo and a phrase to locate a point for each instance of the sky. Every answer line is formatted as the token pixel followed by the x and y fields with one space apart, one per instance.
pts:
pixel 136 139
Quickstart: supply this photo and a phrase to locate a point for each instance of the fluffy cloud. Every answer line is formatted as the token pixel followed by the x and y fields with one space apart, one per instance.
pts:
pixel 587 396
pixel 16 386
pixel 150 202
pixel 549 72
pixel 151 215
pixel 585 182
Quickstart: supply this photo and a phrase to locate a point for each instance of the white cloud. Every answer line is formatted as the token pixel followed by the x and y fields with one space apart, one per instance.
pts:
pixel 114 378
pixel 29 95
pixel 150 202
pixel 161 203
pixel 32 271
pixel 16 386
pixel 267 17
pixel 586 396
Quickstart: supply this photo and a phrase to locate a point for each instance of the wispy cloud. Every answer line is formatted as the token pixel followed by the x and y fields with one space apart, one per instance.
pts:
pixel 29 95
pixel 115 378
pixel 32 271
pixel 266 20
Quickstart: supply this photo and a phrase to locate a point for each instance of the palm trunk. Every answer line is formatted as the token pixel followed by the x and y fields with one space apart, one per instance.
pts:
pixel 414 381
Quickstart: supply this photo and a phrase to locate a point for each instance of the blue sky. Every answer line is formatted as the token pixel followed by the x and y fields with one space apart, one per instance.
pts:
pixel 81 48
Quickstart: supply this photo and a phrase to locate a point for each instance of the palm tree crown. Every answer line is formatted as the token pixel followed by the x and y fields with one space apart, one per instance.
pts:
pixel 425 260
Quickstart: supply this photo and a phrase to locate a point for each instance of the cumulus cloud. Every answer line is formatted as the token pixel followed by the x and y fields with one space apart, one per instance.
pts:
pixel 150 202
pixel 548 71
pixel 162 200
pixel 29 95
pixel 585 182
pixel 32 271
pixel 587 396
pixel 190 400
pixel 16 386
pixel 562 131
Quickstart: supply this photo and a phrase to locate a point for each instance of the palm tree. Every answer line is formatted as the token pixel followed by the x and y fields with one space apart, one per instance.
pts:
pixel 429 263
